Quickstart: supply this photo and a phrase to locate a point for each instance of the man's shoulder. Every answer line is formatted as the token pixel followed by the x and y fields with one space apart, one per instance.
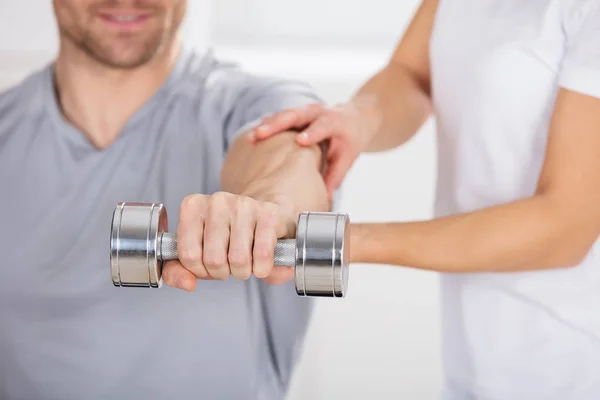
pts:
pixel 22 98
pixel 203 68
pixel 205 74
pixel 230 98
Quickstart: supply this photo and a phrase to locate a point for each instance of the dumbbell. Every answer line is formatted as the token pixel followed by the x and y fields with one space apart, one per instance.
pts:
pixel 140 244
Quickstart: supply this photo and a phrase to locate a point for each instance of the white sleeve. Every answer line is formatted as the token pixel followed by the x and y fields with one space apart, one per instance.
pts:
pixel 580 70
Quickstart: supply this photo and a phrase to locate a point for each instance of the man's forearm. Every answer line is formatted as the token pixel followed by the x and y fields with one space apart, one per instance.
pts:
pixel 395 106
pixel 279 171
pixel 529 234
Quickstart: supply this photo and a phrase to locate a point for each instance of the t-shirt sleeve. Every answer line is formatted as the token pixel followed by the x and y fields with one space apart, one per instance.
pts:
pixel 245 98
pixel 580 70
pixel 265 96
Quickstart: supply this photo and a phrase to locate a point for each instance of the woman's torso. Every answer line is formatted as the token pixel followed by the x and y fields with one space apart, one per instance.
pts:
pixel 530 335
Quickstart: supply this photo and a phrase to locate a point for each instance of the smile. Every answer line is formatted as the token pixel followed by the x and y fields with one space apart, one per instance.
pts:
pixel 124 18
pixel 121 20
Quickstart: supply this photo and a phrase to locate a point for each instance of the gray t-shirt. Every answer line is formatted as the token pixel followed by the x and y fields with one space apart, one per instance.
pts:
pixel 65 331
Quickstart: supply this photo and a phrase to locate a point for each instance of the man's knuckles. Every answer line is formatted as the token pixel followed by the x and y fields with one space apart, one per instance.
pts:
pixel 240 263
pixel 214 260
pixel 188 253
pixel 218 254
pixel 263 253
pixel 193 205
pixel 243 209
pixel 267 213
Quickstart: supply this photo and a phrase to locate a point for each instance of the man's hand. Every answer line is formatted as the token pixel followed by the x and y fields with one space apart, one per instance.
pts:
pixel 224 235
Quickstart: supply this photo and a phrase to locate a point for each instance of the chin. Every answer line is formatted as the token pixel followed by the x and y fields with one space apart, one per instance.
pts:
pixel 127 63
pixel 128 57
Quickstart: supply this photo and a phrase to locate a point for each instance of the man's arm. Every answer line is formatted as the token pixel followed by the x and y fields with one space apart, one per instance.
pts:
pixel 554 228
pixel 280 172
pixel 234 232
pixel 277 170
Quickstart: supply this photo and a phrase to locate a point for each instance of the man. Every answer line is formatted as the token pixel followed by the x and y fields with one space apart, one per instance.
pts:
pixel 125 113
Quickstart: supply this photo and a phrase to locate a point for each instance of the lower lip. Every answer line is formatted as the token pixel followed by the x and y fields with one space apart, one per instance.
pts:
pixel 125 25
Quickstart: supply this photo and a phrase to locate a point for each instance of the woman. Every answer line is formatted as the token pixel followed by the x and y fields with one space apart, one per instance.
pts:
pixel 514 86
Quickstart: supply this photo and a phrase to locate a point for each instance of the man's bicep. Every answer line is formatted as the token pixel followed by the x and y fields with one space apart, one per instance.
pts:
pixel 260 97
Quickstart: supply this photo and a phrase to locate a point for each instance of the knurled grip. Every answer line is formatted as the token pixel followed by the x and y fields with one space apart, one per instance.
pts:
pixel 284 254
pixel 140 244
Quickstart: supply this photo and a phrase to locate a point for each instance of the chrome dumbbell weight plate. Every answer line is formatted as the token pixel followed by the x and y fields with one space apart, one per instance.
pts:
pixel 140 244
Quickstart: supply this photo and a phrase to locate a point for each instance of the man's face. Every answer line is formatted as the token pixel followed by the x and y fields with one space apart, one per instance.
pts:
pixel 120 33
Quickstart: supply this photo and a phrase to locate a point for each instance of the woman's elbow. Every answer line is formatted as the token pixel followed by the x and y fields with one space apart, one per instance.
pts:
pixel 569 248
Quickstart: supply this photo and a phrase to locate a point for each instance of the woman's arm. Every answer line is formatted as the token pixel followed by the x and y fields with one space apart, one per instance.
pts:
pixel 553 228
pixel 385 112
pixel 397 100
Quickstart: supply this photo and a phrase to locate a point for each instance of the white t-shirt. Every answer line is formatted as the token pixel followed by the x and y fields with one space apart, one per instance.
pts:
pixel 496 68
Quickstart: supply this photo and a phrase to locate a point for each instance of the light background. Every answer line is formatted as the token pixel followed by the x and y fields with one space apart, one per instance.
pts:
pixel 383 340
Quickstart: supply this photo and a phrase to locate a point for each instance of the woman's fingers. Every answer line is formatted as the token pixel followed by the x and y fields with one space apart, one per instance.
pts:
pixel 338 124
pixel 340 158
pixel 294 118
pixel 323 128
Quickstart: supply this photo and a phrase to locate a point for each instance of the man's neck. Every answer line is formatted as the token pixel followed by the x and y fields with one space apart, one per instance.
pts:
pixel 99 100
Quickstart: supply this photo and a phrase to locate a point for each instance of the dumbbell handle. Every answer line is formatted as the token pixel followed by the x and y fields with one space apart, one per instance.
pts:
pixel 285 250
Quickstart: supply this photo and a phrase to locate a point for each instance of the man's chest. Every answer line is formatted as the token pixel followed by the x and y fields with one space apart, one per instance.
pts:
pixel 58 201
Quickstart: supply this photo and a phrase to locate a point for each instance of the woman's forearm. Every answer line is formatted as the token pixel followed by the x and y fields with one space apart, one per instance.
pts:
pixel 529 234
pixel 395 105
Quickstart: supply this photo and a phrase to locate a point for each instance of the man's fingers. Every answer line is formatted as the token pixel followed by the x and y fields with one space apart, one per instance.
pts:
pixel 224 234
pixel 190 234
pixel 242 236
pixel 265 240
pixel 176 275
pixel 280 275
pixel 216 236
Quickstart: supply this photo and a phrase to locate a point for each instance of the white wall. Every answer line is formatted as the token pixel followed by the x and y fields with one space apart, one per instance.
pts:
pixel 310 22
pixel 382 341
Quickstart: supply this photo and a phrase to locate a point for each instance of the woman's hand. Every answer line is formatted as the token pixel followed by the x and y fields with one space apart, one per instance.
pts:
pixel 349 128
